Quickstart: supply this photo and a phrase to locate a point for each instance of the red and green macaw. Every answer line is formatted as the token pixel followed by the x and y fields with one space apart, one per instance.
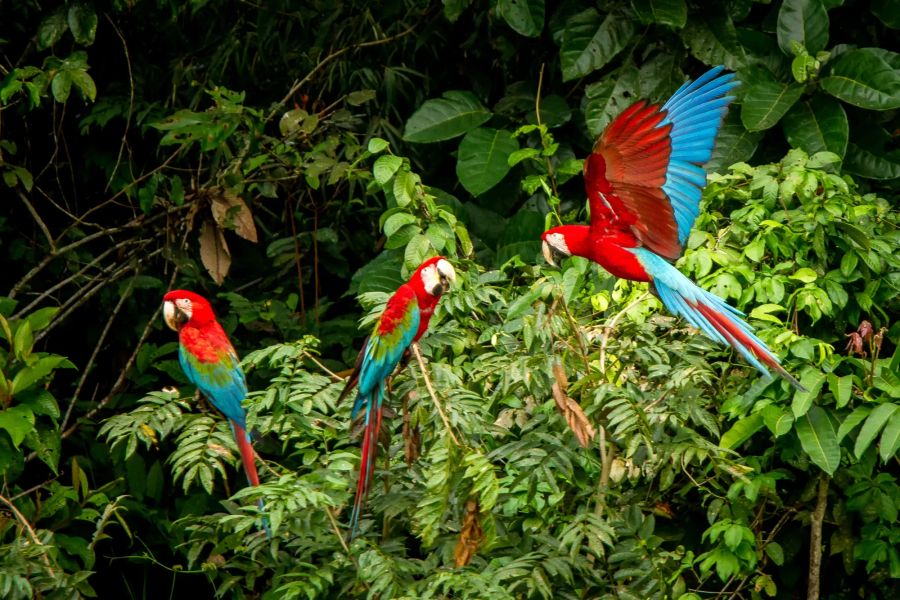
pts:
pixel 404 320
pixel 643 180
pixel 211 363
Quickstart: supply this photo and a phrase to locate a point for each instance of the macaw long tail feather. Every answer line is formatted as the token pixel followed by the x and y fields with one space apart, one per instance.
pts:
pixel 248 458
pixel 710 314
pixel 373 406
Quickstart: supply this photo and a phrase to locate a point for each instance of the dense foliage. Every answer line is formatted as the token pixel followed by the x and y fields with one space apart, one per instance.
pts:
pixel 565 437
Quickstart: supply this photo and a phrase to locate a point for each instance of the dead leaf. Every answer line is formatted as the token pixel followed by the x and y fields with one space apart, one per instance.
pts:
pixel 470 536
pixel 231 212
pixel 575 417
pixel 214 252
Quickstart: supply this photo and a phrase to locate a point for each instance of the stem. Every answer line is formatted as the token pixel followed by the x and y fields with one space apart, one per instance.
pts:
pixel 21 518
pixel 815 539
pixel 606 459
pixel 434 398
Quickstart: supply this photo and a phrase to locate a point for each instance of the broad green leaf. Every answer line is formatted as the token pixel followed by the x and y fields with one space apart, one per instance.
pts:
pixel 51 29
pixel 861 160
pixel 61 86
pixel 735 144
pixel 888 11
pixel 385 167
pixel 85 83
pixel 360 97
pixel 876 420
pixel 713 40
pixel 483 158
pixel 803 21
pixel 40 318
pixel 29 375
pixel 588 42
pixel 890 438
pixel 82 21
pixel 741 431
pixel 604 101
pixel 23 340
pixel 805 274
pixel 404 187
pixel 524 16
pixel 46 445
pixel 818 439
pixel 664 12
pixel 765 102
pixel 417 250
pixel 445 118
pixel 841 388
pixel 775 552
pixel 849 423
pixel 817 125
pixel 812 380
pixel 18 422
pixel 863 78
pixel 396 221
pixel 778 420
pixel 377 145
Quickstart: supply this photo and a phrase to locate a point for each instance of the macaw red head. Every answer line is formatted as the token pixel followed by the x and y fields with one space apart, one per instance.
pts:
pixel 181 307
pixel 555 246
pixel 434 276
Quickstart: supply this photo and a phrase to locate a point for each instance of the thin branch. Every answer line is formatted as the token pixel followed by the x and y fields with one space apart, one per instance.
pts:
pixel 334 375
pixel 434 398
pixel 90 363
pixel 21 518
pixel 130 103
pixel 815 539
pixel 606 460
pixel 38 220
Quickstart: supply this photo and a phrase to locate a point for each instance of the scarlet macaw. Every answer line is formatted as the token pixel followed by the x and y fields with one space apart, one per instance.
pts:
pixel 643 180
pixel 404 320
pixel 210 362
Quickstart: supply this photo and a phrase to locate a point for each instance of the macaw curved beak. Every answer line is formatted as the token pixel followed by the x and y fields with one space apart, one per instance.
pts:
pixel 175 318
pixel 549 254
pixel 446 276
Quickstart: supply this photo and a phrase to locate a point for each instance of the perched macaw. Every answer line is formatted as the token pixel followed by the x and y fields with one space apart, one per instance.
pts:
pixel 643 180
pixel 210 362
pixel 404 320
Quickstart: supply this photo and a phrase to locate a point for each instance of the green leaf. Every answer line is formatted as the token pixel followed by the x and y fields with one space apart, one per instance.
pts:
pixel 85 83
pixel 818 439
pixel 765 102
pixel 887 11
pixel 605 100
pixel 483 159
pixel 817 125
pixel 360 97
pixel 890 438
pixel 61 86
pixel 417 250
pixel 841 388
pixel 741 431
pixel 385 167
pixel 30 375
pixel 51 29
pixel 803 21
pixel 775 552
pixel 445 118
pixel 589 43
pixel 805 274
pixel 377 145
pixel 526 17
pixel 812 380
pixel 852 420
pixel 777 420
pixel 23 340
pixel 40 318
pixel 861 160
pixel 664 12
pixel 863 78
pixel 735 144
pixel 404 187
pixel 396 221
pixel 46 444
pixel 877 419
pixel 18 422
pixel 713 40
pixel 83 23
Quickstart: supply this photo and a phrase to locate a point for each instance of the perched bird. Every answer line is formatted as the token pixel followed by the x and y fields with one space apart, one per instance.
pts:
pixel 404 320
pixel 210 362
pixel 644 180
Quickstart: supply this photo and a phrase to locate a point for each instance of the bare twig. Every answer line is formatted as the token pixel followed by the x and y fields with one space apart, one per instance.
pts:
pixel 333 375
pixel 38 220
pixel 606 460
pixel 130 103
pixel 434 398
pixel 90 363
pixel 21 518
pixel 815 539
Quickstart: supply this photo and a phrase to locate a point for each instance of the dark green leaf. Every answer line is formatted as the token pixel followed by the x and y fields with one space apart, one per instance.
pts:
pixel 890 438
pixel 803 21
pixel 876 420
pixel 445 118
pixel 61 85
pixel 852 420
pixel 734 144
pixel 713 40
pixel 764 103
pixel 888 11
pixel 664 12
pixel 741 431
pixel 863 161
pixel 83 23
pixel 484 158
pixel 51 29
pixel 589 43
pixel 18 422
pixel 817 125
pixel 812 380
pixel 85 83
pixel 818 439
pixel 524 16
pixel 863 78
pixel 605 100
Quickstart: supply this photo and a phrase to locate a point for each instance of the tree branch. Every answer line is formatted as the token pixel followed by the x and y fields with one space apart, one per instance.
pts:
pixel 434 398
pixel 815 539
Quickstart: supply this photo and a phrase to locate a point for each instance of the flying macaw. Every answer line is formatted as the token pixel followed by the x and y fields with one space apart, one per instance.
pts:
pixel 643 180
pixel 210 362
pixel 404 320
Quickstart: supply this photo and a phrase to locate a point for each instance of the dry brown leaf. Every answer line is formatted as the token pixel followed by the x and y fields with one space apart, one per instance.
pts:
pixel 575 417
pixel 412 438
pixel 231 212
pixel 470 536
pixel 214 251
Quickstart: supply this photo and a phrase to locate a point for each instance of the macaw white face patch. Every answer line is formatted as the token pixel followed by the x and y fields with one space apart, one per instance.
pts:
pixel 436 278
pixel 177 313
pixel 555 246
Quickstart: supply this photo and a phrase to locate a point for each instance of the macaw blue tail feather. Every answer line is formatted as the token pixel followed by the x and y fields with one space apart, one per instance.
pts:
pixel 710 314
pixel 373 407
